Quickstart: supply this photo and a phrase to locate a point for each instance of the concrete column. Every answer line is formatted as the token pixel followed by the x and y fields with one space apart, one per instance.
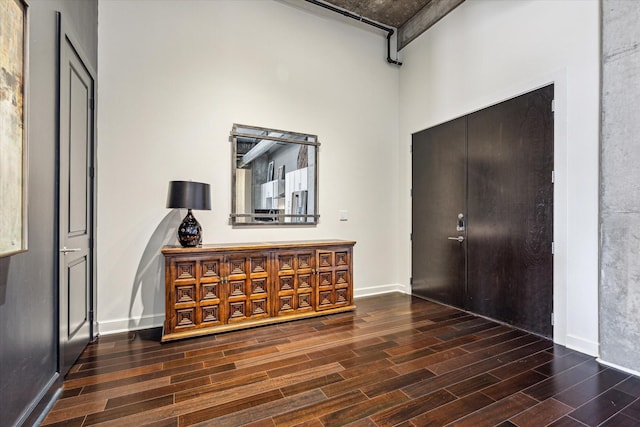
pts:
pixel 620 185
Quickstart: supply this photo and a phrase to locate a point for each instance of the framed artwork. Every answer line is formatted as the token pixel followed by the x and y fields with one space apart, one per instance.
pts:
pixel 13 125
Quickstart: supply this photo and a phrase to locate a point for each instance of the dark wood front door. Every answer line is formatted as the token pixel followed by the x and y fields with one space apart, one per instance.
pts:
pixel 439 190
pixel 508 212
pixel 510 163
pixel 75 203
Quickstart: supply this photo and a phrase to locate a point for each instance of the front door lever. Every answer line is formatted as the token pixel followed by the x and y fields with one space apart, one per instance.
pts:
pixel 459 238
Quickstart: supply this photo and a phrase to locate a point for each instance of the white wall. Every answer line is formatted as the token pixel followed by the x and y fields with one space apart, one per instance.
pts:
pixel 490 50
pixel 174 77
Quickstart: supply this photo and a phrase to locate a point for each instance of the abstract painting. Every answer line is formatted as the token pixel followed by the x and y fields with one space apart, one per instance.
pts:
pixel 13 60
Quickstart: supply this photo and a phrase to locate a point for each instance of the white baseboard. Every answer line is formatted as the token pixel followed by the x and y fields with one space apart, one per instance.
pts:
pixel 377 290
pixel 108 327
pixel 618 367
pixel 583 346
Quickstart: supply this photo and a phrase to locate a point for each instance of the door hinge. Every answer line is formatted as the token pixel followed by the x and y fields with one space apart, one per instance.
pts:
pixel 553 105
pixel 553 248
pixel 411 148
pixel 91 316
pixel 553 177
pixel 91 172
pixel 411 236
pixel 553 320
pixel 411 192
pixel 92 104
pixel 411 280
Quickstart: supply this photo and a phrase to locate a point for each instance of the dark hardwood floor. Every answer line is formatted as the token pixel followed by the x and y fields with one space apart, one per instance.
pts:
pixel 396 360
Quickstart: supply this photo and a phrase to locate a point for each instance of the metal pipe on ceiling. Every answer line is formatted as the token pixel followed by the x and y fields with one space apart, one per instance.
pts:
pixel 364 20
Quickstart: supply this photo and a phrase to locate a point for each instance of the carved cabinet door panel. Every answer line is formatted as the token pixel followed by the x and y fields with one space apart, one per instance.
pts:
pixel 196 295
pixel 333 278
pixel 247 286
pixel 184 275
pixel 209 292
pixel 294 282
pixel 305 265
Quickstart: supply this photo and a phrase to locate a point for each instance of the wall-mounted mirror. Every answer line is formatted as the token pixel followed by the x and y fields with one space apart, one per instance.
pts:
pixel 274 177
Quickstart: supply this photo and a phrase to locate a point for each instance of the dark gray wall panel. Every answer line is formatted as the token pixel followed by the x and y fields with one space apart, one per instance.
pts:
pixel 28 281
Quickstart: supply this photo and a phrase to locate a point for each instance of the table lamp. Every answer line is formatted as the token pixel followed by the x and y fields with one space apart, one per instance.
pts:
pixel 189 195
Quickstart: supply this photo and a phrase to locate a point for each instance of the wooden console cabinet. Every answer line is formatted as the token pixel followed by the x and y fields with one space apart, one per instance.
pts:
pixel 216 288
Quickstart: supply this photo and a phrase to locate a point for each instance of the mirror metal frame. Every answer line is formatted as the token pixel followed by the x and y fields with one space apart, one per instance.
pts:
pixel 253 218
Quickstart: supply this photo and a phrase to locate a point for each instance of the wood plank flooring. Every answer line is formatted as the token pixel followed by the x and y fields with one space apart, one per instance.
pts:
pixel 395 361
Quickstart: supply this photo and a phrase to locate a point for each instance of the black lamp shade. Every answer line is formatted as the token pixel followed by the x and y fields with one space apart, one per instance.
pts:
pixel 189 195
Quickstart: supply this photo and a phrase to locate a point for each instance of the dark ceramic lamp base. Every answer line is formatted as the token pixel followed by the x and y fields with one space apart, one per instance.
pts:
pixel 190 231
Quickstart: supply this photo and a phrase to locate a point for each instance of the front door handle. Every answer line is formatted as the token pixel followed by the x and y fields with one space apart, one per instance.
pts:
pixel 459 238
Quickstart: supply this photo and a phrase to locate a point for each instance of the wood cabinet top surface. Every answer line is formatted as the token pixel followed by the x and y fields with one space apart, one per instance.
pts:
pixel 221 247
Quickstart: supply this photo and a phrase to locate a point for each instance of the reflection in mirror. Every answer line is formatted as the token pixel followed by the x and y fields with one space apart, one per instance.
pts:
pixel 274 177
